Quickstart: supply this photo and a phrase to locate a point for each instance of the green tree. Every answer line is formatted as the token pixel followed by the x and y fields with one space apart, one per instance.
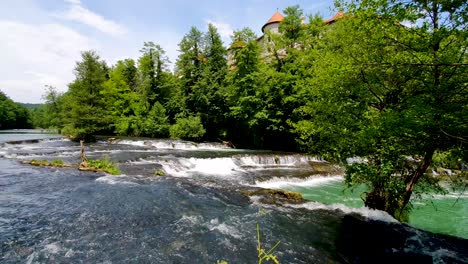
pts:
pixel 390 94
pixel 120 100
pixel 152 68
pixel 278 90
pixel 156 124
pixel 245 35
pixel 243 90
pixel 84 108
pixel 129 73
pixel 207 97
pixel 189 128
pixel 189 65
pixel 52 108
pixel 13 115
pixel 292 26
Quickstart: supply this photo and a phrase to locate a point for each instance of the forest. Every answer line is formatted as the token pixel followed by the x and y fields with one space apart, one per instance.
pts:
pixel 387 83
pixel 13 115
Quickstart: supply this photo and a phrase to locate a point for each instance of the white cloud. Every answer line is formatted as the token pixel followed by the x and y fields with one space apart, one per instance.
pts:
pixel 37 55
pixel 76 12
pixel 225 30
pixel 74 2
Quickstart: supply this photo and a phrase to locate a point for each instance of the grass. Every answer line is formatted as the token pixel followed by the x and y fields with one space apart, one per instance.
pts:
pixel 158 173
pixel 105 165
pixel 263 254
pixel 53 163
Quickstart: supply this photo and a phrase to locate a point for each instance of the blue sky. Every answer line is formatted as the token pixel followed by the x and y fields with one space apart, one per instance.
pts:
pixel 42 39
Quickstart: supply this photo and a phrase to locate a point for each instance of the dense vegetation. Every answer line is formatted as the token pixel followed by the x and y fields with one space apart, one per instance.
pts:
pixel 387 83
pixel 13 115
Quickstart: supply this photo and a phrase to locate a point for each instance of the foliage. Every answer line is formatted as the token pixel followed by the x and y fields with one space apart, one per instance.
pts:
pixel 189 128
pixel 13 115
pixel 105 165
pixel 156 123
pixel 245 35
pixel 398 94
pixel 447 159
pixel 85 113
pixel 53 163
pixel 152 67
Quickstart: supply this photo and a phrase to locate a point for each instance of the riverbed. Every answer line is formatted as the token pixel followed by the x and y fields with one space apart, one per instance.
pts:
pixel 197 212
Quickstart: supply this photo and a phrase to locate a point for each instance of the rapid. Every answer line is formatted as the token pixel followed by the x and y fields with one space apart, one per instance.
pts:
pixel 197 211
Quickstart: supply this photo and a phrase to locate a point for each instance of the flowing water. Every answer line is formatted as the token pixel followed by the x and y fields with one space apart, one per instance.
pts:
pixel 446 214
pixel 197 212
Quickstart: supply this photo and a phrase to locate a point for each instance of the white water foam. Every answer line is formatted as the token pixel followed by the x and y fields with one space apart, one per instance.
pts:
pixel 130 142
pixel 188 166
pixel 283 182
pixel 224 228
pixel 276 160
pixel 190 220
pixel 364 211
pixel 52 248
pixel 112 179
pixel 173 144
pixel 235 165
pixel 451 195
pixel 439 255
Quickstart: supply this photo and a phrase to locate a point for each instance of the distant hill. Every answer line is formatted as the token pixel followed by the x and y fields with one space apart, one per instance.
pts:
pixel 31 106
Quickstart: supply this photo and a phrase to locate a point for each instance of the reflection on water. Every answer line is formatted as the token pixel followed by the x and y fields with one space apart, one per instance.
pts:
pixel 196 213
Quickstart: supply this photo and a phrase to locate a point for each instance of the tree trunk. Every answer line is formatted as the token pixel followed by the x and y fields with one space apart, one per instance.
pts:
pixel 84 159
pixel 414 179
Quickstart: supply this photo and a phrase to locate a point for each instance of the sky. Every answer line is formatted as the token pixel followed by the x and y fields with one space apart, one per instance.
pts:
pixel 41 40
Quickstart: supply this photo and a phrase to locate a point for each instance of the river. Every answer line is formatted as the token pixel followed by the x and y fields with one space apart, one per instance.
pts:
pixel 197 212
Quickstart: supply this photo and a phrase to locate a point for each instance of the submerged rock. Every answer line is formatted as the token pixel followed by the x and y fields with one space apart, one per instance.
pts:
pixel 273 196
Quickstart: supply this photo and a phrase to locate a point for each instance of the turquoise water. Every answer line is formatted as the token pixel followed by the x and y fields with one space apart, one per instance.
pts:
pixel 447 214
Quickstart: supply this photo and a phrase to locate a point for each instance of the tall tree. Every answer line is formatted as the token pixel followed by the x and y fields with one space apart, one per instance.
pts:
pixel 52 108
pixel 245 35
pixel 121 101
pixel 152 67
pixel 243 90
pixel 391 94
pixel 85 113
pixel 292 26
pixel 207 98
pixel 189 65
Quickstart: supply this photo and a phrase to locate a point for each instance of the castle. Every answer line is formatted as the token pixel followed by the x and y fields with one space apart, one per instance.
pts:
pixel 272 26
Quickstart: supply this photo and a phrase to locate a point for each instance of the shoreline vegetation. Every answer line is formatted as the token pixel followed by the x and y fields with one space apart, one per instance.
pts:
pixel 384 81
pixel 100 165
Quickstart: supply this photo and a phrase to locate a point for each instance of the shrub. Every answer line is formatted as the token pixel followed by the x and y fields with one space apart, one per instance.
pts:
pixel 446 159
pixel 77 134
pixel 189 128
pixel 105 165
pixel 156 123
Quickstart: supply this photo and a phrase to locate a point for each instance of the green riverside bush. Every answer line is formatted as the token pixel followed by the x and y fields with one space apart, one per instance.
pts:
pixel 189 128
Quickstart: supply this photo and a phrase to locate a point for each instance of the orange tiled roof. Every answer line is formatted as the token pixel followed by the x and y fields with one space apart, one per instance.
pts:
pixel 334 18
pixel 276 18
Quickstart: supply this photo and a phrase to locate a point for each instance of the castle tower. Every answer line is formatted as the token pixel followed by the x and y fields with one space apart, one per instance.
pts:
pixel 273 23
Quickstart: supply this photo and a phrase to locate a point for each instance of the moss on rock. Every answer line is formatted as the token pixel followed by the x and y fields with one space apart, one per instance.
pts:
pixel 274 196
